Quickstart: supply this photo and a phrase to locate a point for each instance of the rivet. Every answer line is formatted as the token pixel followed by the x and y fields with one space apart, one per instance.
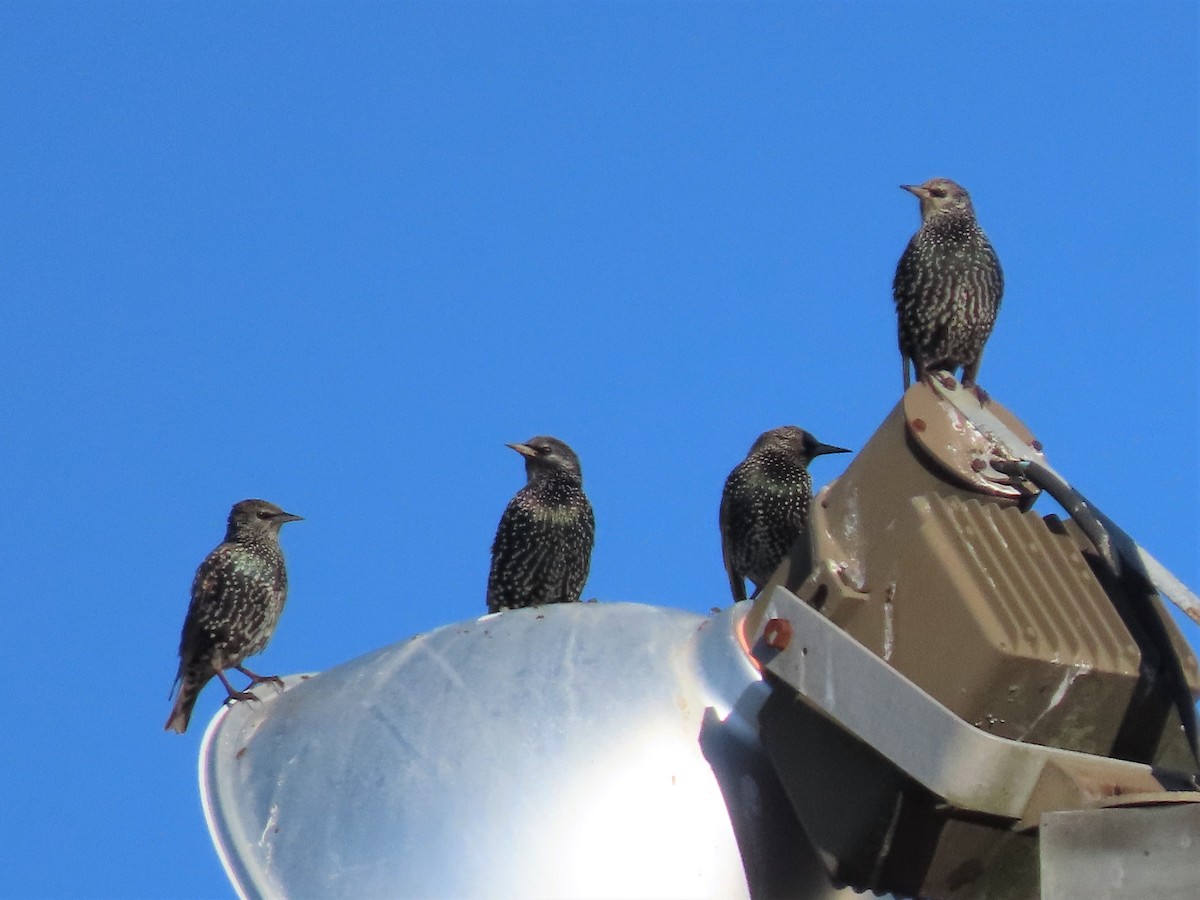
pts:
pixel 778 634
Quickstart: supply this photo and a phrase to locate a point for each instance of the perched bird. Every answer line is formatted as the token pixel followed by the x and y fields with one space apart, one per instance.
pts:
pixel 764 507
pixel 947 287
pixel 543 546
pixel 237 596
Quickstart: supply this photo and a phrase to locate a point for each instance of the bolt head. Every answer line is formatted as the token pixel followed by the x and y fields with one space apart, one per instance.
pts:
pixel 778 634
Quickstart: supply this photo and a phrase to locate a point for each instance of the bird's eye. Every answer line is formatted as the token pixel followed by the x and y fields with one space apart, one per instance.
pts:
pixel 937 192
pixel 265 514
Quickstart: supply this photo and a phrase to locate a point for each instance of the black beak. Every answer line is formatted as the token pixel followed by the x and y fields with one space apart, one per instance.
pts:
pixel 821 449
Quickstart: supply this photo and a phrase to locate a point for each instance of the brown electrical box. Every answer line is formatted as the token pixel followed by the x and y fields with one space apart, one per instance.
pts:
pixel 935 562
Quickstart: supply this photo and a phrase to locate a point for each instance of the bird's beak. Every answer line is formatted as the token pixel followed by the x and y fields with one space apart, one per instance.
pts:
pixel 916 189
pixel 288 517
pixel 523 449
pixel 822 449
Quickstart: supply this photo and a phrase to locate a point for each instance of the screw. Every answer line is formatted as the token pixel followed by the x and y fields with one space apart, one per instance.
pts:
pixel 1036 445
pixel 978 465
pixel 778 634
pixel 918 424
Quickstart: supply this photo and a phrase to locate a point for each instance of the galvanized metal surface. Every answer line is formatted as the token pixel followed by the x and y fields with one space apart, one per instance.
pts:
pixel 1170 586
pixel 968 767
pixel 567 751
pixel 1150 853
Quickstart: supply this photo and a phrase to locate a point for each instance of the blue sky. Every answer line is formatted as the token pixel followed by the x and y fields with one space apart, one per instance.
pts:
pixel 337 256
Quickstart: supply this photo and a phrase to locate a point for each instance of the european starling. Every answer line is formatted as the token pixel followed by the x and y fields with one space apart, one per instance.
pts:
pixel 543 546
pixel 237 596
pixel 947 287
pixel 764 507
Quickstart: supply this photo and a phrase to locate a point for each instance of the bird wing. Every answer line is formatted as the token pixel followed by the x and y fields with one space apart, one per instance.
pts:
pixel 225 580
pixel 194 634
pixel 520 555
pixel 737 584
pixel 206 591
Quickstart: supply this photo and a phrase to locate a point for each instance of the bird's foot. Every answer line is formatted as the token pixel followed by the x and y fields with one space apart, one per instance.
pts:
pixel 980 394
pixel 942 377
pixel 233 693
pixel 255 678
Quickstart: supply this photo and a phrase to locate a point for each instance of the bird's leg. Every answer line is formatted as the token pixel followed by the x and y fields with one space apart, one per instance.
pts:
pixel 969 372
pixel 259 679
pixel 234 695
pixel 907 374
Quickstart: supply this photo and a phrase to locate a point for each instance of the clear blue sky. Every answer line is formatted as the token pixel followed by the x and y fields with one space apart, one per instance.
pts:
pixel 337 256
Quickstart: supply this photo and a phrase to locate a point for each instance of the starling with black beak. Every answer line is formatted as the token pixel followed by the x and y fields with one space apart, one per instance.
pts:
pixel 764 507
pixel 543 546
pixel 237 596
pixel 947 287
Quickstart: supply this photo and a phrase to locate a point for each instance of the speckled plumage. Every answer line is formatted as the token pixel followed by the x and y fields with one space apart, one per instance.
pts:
pixel 237 597
pixel 947 287
pixel 764 506
pixel 543 546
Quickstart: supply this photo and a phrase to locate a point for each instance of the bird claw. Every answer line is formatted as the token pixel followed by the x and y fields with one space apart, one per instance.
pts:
pixel 945 379
pixel 980 394
pixel 255 678
pixel 239 695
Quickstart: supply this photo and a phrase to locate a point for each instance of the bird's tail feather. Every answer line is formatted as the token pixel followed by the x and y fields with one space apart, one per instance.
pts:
pixel 181 713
